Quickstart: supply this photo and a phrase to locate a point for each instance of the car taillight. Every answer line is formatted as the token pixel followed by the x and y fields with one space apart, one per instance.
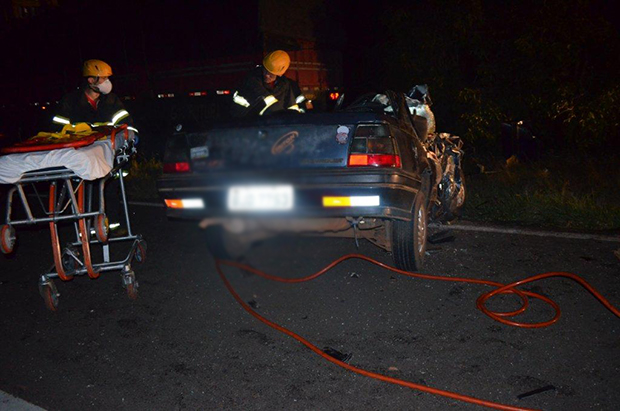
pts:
pixel 374 160
pixel 180 167
pixel 372 146
pixel 184 203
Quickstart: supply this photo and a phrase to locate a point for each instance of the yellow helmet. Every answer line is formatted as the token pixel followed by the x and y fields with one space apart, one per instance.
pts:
pixel 277 62
pixel 96 68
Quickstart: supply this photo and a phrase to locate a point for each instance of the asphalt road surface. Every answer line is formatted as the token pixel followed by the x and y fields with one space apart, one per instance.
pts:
pixel 187 344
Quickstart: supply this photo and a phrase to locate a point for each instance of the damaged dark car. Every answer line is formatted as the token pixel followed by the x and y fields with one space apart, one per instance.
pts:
pixel 375 169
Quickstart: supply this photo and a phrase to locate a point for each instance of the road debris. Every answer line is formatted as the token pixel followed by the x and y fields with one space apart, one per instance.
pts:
pixel 441 237
pixel 332 352
pixel 536 391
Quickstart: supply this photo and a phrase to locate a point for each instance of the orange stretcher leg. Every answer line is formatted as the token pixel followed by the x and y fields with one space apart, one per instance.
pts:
pixel 85 235
pixel 54 233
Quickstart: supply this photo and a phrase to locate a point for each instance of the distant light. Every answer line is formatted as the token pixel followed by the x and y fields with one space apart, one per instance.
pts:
pixel 197 93
pixel 43 108
pixel 334 96
pixel 220 92
pixel 165 95
pixel 179 167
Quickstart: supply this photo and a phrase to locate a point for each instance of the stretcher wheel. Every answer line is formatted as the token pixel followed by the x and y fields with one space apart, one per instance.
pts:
pixel 141 251
pixel 50 295
pixel 130 284
pixel 7 239
pixel 102 228
pixel 69 264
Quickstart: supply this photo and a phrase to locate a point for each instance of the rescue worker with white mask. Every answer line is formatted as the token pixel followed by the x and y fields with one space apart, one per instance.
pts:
pixel 93 102
pixel 266 90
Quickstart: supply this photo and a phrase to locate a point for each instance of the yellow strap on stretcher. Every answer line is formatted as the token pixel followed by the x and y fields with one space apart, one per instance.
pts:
pixel 69 133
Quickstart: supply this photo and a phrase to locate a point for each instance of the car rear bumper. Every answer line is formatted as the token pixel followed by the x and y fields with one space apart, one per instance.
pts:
pixel 396 191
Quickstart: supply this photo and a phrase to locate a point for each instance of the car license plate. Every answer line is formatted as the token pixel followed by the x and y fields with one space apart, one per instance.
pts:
pixel 260 198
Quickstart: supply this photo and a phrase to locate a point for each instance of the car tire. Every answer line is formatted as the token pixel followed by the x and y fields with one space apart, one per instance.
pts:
pixel 409 237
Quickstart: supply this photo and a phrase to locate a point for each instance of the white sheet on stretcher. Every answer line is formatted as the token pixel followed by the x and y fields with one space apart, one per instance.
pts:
pixel 89 162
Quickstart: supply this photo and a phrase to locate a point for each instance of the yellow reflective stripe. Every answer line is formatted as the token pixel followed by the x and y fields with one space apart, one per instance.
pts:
pixel 240 100
pixel 295 107
pixel 269 101
pixel 61 120
pixel 135 130
pixel 300 99
pixel 119 116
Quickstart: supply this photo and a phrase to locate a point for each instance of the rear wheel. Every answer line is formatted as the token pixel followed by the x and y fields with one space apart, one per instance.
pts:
pixel 7 239
pixel 409 237
pixel 50 295
pixel 69 263
pixel 130 284
pixel 102 228
pixel 141 251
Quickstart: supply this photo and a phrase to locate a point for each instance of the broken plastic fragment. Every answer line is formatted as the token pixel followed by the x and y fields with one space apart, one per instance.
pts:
pixel 440 237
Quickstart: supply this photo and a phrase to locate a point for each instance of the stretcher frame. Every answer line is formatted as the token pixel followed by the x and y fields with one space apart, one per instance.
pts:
pixel 70 198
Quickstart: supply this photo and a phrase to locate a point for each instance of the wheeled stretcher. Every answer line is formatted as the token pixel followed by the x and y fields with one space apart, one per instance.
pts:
pixel 75 171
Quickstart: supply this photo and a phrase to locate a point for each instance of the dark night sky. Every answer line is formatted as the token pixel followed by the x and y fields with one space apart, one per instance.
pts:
pixel 128 33
pixel 482 58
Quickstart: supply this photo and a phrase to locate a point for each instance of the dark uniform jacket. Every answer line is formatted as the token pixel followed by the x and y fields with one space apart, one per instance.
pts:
pixel 253 89
pixel 75 108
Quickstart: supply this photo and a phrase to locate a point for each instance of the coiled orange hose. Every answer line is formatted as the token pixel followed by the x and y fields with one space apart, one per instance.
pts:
pixel 498 316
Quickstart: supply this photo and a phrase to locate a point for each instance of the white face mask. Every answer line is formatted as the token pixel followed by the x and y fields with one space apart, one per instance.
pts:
pixel 103 88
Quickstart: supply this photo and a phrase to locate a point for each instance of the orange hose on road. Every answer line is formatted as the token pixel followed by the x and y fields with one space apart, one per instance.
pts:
pixel 498 316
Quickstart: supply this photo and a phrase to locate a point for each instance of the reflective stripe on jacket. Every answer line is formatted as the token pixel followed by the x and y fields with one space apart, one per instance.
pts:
pixel 74 108
pixel 254 97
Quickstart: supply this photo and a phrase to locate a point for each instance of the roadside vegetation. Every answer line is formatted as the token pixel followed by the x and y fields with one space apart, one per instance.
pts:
pixel 556 194
pixel 142 178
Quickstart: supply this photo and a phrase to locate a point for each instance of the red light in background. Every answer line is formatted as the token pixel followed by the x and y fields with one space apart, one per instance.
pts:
pixel 334 96
pixel 182 167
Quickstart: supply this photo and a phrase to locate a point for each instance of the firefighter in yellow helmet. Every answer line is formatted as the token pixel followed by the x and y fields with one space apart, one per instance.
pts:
pixel 93 101
pixel 265 90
